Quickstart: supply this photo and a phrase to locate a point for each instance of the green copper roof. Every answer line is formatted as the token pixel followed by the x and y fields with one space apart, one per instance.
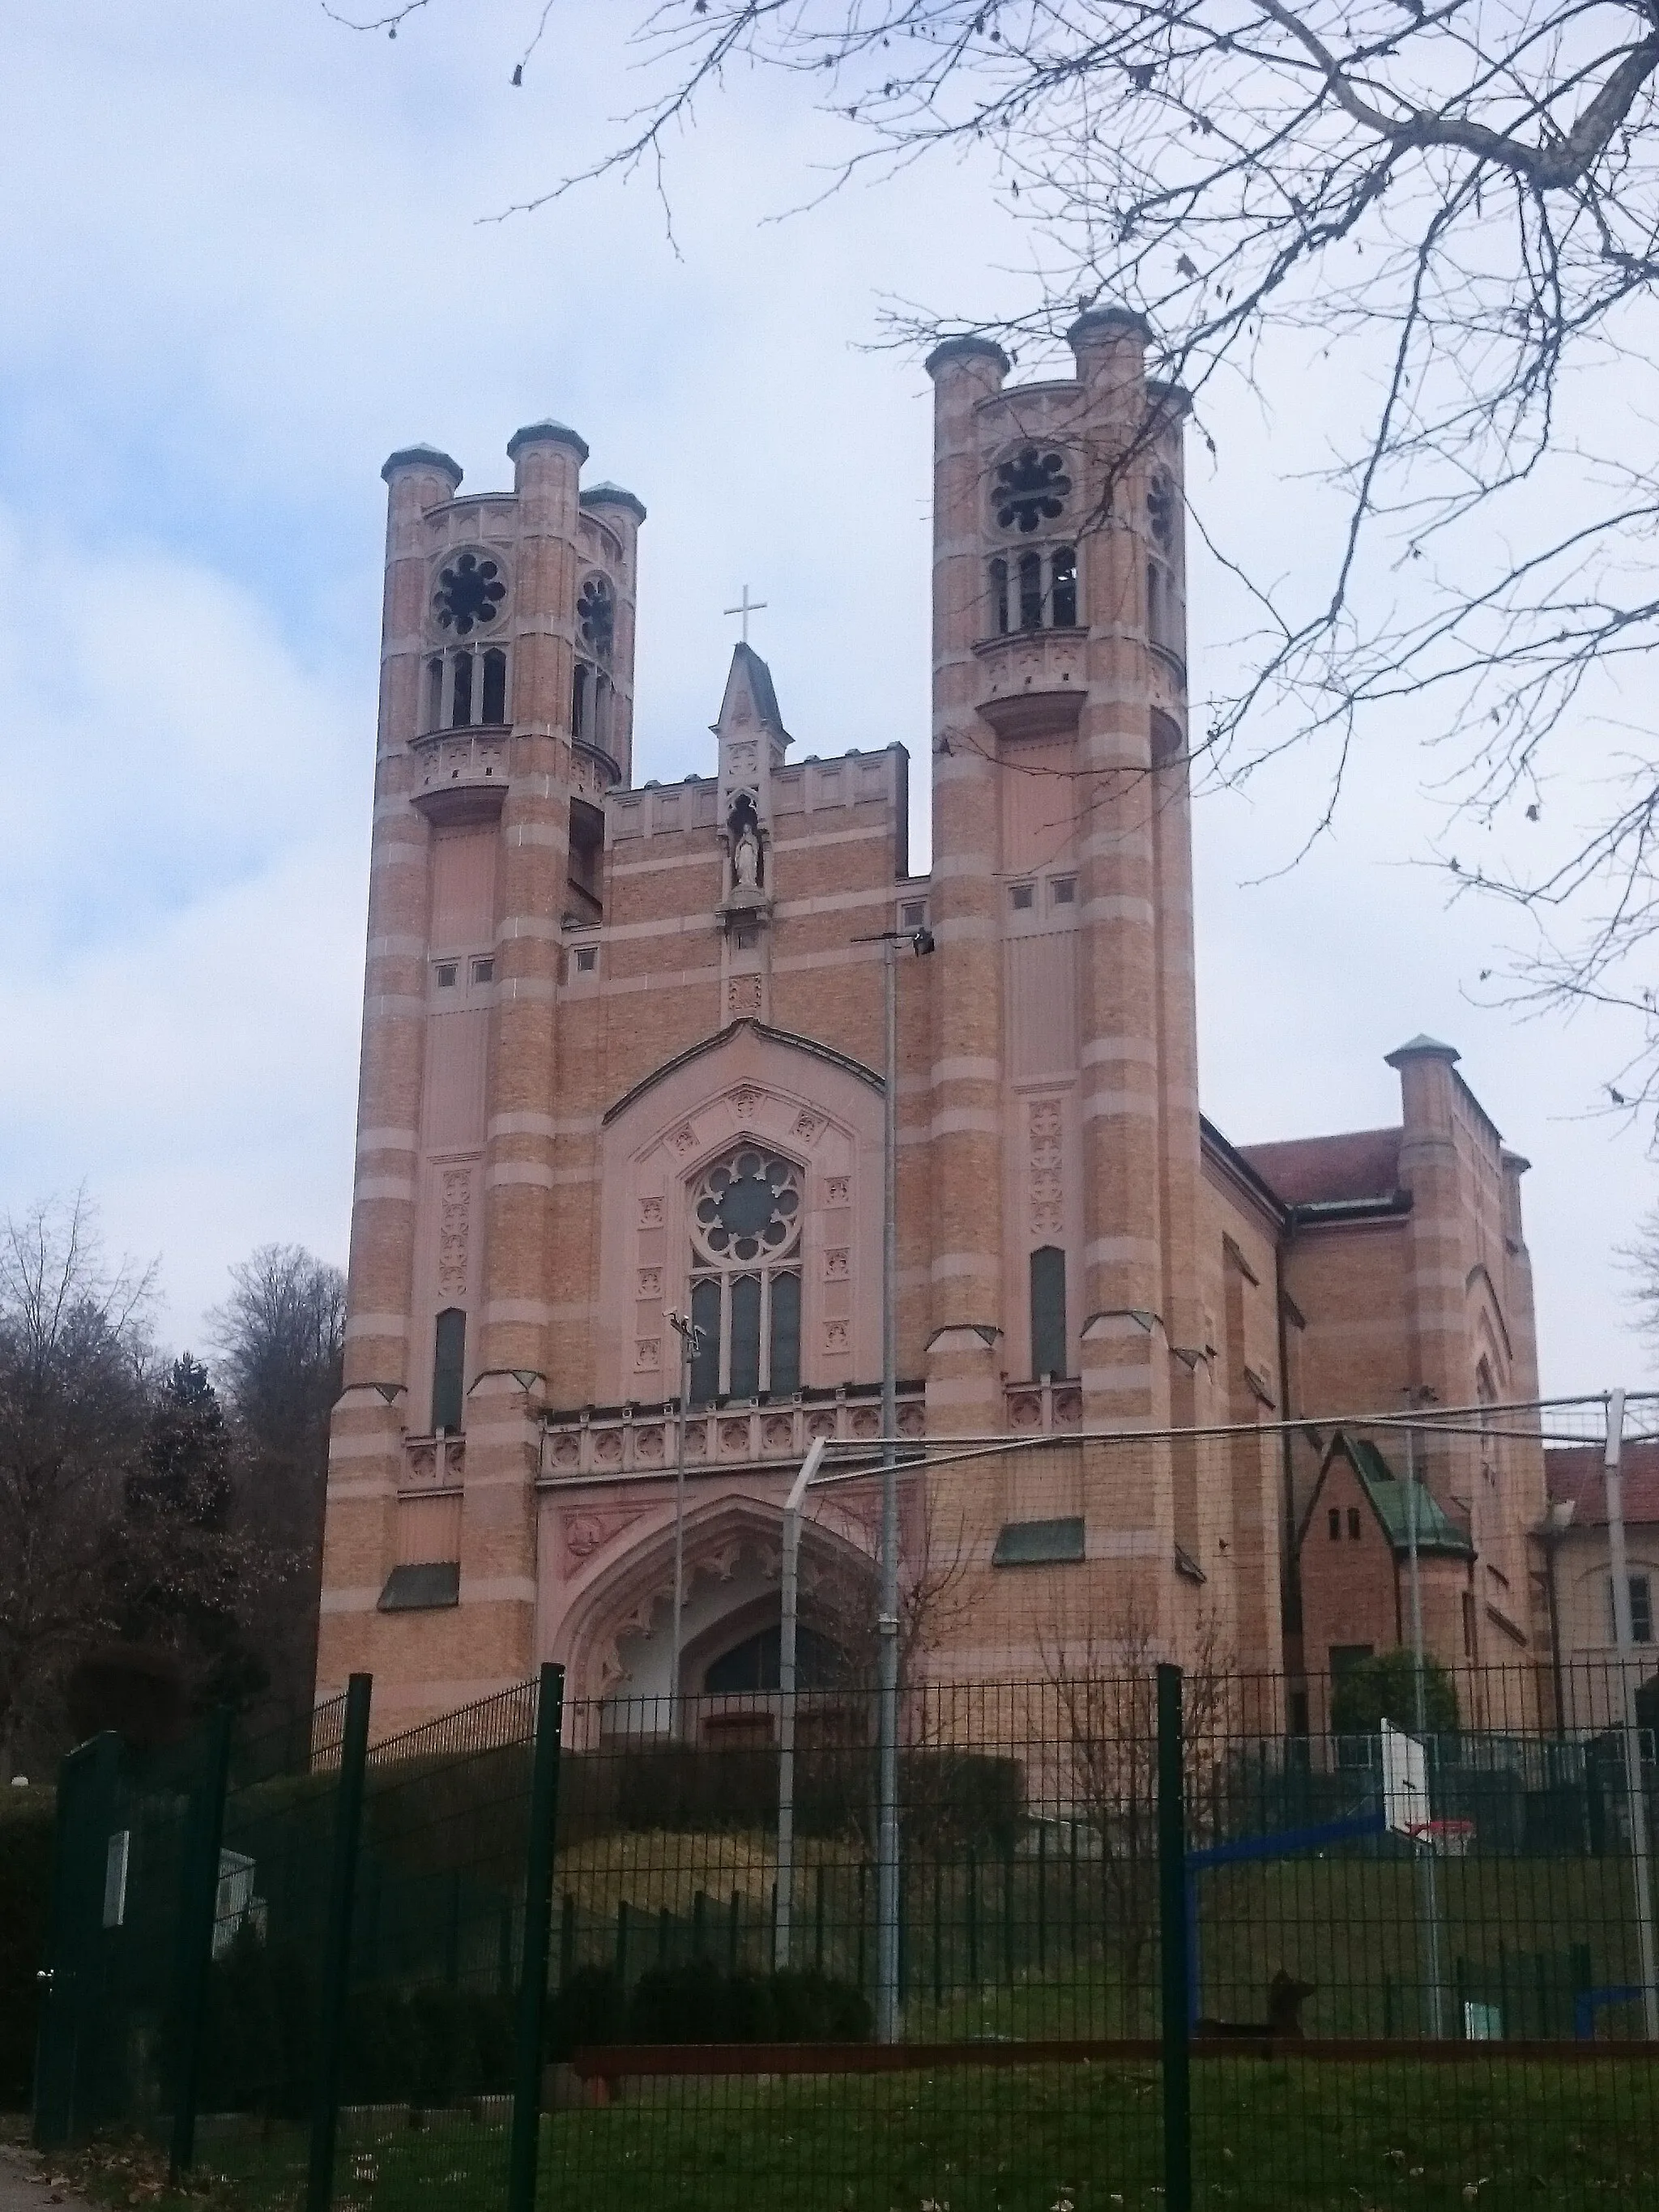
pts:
pixel 1436 1531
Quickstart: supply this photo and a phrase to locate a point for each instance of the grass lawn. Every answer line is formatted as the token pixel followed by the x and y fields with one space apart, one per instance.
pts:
pixel 1269 2136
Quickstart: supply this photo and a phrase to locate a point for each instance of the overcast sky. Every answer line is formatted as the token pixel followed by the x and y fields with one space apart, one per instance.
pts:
pixel 244 260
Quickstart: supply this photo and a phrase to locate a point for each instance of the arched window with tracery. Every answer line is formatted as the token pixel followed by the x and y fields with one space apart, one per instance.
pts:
pixel 746 1215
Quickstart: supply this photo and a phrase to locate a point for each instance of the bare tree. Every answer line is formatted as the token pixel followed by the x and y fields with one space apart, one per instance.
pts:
pixel 280 1336
pixel 1450 210
pixel 1102 1682
pixel 73 1358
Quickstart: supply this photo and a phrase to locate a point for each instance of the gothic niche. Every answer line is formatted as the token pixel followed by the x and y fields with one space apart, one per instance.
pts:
pixel 746 855
pixel 468 594
pixel 1031 489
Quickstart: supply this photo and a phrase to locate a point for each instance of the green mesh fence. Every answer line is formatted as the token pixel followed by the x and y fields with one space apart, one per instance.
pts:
pixel 1387 2000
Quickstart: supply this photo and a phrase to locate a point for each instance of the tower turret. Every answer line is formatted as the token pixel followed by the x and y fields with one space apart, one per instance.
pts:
pixel 505 715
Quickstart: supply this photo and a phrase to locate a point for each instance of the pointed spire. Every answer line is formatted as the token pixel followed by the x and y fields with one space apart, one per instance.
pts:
pixel 750 697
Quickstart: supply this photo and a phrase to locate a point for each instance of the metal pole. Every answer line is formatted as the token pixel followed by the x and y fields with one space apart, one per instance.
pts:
pixel 1173 1939
pixel 791 1579
pixel 198 1911
pixel 337 1961
pixel 1424 1853
pixel 1630 1737
pixel 887 1625
pixel 525 2141
pixel 689 1336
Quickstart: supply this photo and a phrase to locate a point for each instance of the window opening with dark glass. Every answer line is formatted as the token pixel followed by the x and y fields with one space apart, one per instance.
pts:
pixel 706 1357
pixel 494 706
pixel 1641 1609
pixel 786 1335
pixel 1031 591
pixel 1048 1311
pixel 756 1663
pixel 596 617
pixel 435 692
pixel 448 1370
pixel 746 1374
pixel 1063 570
pixel 1000 596
pixel 578 700
pixel 1354 1524
pixel 745 1219
pixel 460 697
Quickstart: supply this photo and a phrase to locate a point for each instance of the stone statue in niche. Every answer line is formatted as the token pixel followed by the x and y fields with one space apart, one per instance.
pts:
pixel 748 855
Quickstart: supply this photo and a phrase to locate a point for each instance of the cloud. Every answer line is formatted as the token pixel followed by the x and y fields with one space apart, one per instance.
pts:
pixel 250 249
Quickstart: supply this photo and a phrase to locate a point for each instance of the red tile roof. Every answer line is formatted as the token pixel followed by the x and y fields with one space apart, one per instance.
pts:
pixel 1309 1171
pixel 1575 1471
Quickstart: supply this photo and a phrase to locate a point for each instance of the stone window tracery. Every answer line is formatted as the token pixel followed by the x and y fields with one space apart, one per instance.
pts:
pixel 1161 507
pixel 1033 591
pixel 464 689
pixel 596 616
pixel 469 593
pixel 1031 487
pixel 745 1221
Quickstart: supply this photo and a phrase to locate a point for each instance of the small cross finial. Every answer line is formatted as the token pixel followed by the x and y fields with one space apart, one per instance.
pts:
pixel 745 607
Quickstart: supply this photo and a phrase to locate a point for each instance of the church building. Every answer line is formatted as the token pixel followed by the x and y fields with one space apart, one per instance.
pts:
pixel 622 1056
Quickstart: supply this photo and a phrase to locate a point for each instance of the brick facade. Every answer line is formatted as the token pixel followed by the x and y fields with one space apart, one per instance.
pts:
pixel 586 997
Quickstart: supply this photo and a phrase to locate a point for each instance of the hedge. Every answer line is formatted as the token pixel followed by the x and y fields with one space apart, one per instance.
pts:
pixel 698 2003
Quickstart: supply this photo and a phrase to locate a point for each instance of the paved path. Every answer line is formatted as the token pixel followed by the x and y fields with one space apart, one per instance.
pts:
pixel 18 2193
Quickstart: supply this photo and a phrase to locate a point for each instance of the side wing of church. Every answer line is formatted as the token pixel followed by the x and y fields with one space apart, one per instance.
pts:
pixel 621 1065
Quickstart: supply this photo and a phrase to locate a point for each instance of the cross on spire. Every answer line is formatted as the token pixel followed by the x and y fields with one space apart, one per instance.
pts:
pixel 745 607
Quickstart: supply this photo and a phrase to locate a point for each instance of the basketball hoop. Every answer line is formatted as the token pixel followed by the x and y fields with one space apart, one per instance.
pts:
pixel 1448 1839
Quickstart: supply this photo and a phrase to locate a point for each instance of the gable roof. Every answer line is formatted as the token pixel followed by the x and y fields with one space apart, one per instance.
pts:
pixel 1357 1164
pixel 1572 1474
pixel 1437 1535
pixel 841 1060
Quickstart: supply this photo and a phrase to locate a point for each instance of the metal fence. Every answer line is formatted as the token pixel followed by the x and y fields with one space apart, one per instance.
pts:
pixel 1155 1945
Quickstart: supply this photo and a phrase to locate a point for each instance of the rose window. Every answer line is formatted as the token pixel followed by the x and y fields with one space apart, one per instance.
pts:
pixel 1031 489
pixel 468 594
pixel 596 617
pixel 747 1208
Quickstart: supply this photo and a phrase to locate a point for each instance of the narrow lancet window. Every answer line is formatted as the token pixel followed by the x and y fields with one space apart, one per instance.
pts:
pixel 449 1371
pixel 999 597
pixel 460 697
pixel 1063 598
pixel 494 709
pixel 1048 1311
pixel 1031 591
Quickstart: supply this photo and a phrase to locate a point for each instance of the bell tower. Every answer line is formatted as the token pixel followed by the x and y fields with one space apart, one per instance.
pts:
pixel 505 718
pixel 1064 1074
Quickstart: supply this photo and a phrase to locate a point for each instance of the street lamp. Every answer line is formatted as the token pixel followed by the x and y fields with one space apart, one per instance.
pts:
pixel 690 1337
pixel 1423 1846
pixel 921 942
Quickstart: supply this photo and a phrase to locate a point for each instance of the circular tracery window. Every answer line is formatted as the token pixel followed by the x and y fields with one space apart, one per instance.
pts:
pixel 468 594
pixel 596 612
pixel 747 1207
pixel 1031 489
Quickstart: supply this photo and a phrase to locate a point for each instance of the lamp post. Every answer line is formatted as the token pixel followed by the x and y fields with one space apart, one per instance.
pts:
pixel 1629 1734
pixel 788 1628
pixel 1423 1846
pixel 690 1337
pixel 921 942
